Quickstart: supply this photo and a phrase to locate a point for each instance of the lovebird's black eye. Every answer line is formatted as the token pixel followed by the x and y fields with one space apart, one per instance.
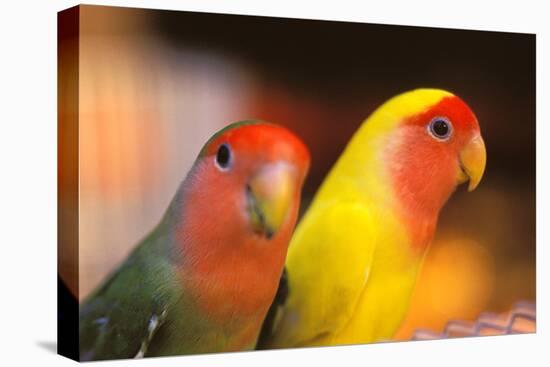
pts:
pixel 440 128
pixel 223 157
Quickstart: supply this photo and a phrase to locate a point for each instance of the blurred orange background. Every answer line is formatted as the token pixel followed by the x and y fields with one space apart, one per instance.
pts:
pixel 154 85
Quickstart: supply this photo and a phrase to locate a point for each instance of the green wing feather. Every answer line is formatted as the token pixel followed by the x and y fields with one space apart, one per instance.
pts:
pixel 120 318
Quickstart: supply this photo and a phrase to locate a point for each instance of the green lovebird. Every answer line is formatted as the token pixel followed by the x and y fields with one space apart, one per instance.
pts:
pixel 203 280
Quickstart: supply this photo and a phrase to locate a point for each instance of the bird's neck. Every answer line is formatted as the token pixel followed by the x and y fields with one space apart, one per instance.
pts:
pixel 363 174
pixel 222 266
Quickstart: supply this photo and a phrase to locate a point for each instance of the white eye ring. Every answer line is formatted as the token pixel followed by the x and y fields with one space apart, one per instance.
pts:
pixel 224 157
pixel 440 128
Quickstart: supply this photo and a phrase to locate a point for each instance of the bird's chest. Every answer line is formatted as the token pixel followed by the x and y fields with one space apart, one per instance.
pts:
pixel 383 305
pixel 385 299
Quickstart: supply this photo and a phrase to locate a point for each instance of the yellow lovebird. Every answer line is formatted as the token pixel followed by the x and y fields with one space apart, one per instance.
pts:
pixel 354 257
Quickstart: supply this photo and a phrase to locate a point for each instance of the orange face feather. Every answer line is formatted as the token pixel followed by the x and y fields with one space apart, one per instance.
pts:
pixel 233 267
pixel 424 168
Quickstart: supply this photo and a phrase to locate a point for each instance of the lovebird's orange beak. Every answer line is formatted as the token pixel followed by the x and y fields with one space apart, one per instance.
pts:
pixel 270 194
pixel 473 158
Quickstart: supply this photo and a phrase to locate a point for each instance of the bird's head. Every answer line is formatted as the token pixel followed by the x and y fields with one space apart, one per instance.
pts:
pixel 430 143
pixel 257 170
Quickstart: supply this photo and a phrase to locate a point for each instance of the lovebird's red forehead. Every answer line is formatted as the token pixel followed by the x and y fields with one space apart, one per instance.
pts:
pixel 266 141
pixel 454 109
